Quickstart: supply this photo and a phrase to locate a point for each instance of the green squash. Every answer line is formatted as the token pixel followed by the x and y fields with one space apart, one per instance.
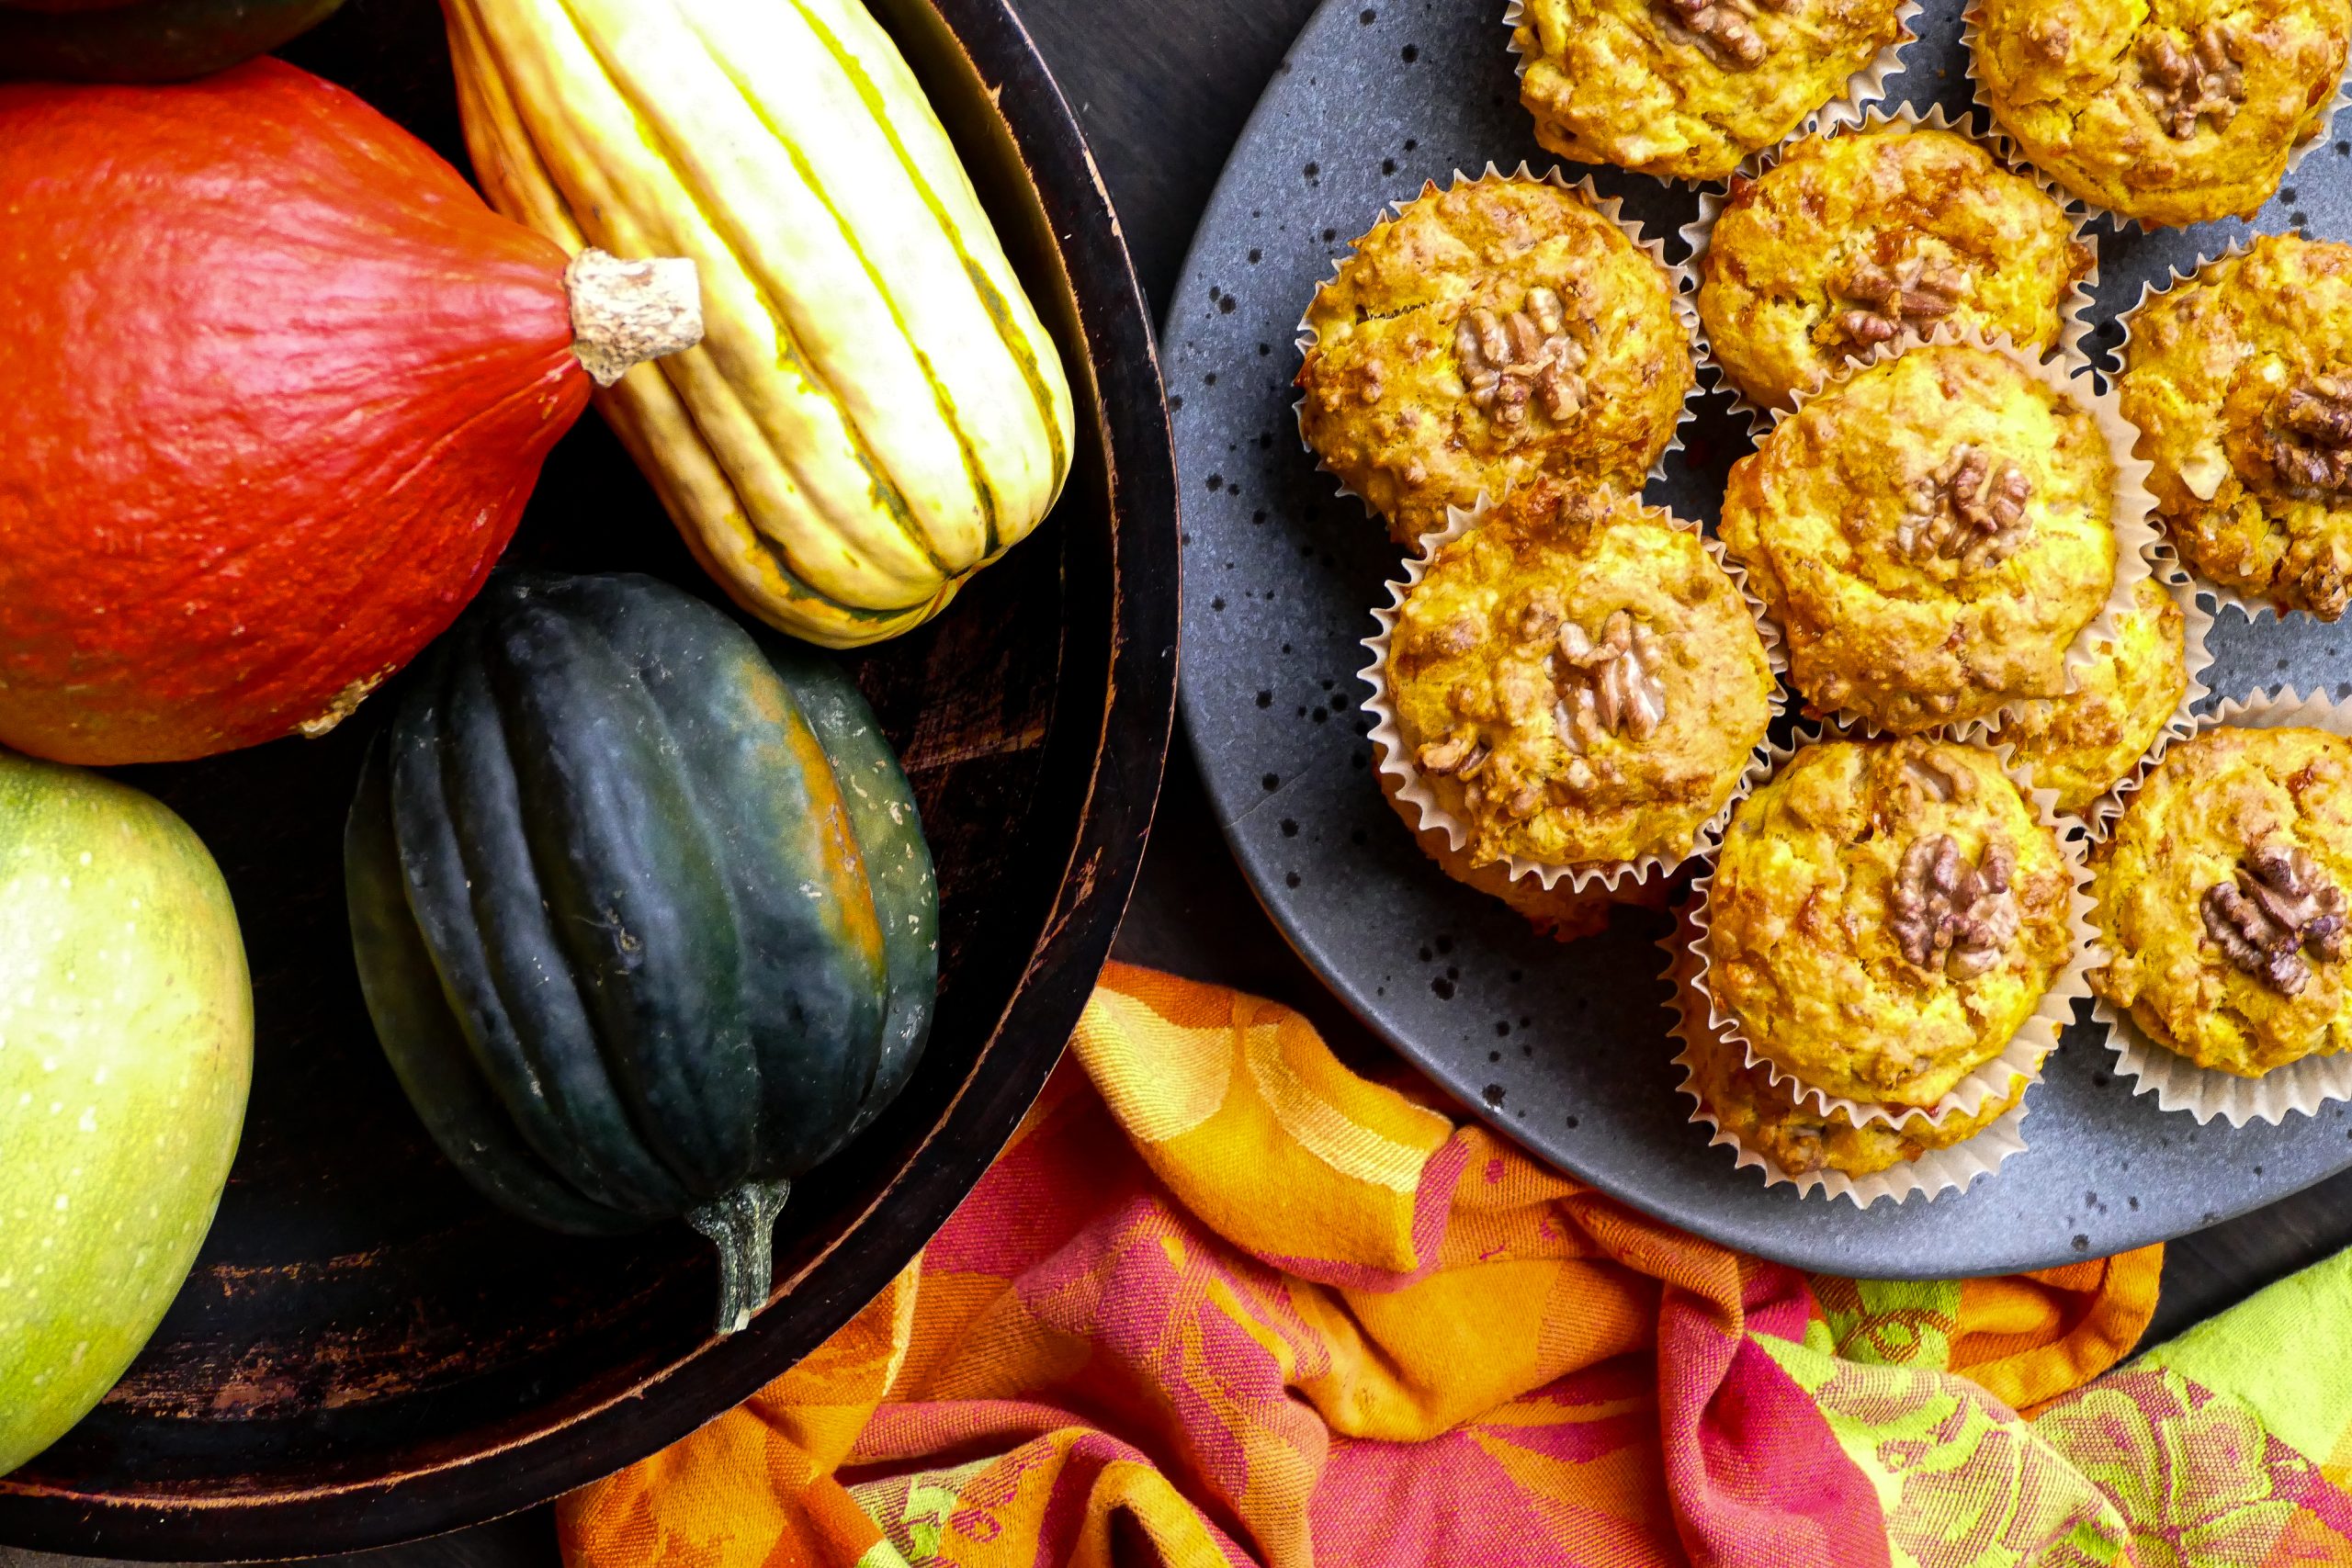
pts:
pixel 147 41
pixel 642 910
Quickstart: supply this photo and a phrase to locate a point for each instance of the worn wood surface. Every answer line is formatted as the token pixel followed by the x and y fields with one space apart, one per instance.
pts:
pixel 1163 87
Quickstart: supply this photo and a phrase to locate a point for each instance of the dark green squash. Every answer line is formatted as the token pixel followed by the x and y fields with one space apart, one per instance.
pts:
pixel 642 910
pixel 147 41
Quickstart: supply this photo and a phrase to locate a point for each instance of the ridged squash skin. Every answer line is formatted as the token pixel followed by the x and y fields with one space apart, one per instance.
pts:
pixel 126 1052
pixel 876 411
pixel 146 41
pixel 643 915
pixel 277 386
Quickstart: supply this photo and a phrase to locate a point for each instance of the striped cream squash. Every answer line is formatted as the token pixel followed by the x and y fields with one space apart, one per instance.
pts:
pixel 876 412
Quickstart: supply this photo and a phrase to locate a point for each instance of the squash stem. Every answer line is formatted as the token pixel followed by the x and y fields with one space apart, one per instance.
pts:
pixel 625 312
pixel 742 1226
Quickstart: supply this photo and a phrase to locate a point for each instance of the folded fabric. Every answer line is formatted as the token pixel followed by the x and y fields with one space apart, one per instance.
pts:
pixel 1222 1301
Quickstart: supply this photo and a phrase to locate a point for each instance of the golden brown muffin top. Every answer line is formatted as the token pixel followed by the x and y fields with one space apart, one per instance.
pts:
pixel 1801 1139
pixel 2175 112
pixel 1930 536
pixel 1685 89
pixel 1579 681
pixel 2083 744
pixel 2240 381
pixel 1885 915
pixel 1486 336
pixel 2223 899
pixel 1856 238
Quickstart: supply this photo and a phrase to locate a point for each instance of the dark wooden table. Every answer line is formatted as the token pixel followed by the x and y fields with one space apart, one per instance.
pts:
pixel 1162 87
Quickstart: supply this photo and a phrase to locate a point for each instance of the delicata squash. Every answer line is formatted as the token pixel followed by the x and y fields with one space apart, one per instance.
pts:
pixel 876 412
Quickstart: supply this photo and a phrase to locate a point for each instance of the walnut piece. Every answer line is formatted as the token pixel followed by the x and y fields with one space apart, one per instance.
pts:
pixel 1967 511
pixel 2281 905
pixel 2310 445
pixel 1912 297
pixel 2190 86
pixel 1943 779
pixel 1459 755
pixel 1610 687
pixel 1724 29
pixel 1526 355
pixel 1952 915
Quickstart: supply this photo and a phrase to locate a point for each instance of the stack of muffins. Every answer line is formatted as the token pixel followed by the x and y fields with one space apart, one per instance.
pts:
pixel 1945 543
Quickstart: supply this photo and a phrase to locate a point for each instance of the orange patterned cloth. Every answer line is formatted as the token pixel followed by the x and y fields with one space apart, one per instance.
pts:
pixel 1223 1301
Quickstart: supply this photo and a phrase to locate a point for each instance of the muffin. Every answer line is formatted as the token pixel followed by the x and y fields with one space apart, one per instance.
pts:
pixel 2221 899
pixel 1685 89
pixel 1766 1119
pixel 1885 917
pixel 1930 534
pixel 2082 744
pixel 2240 380
pixel 1576 681
pixel 1857 239
pixel 1488 335
pixel 2171 115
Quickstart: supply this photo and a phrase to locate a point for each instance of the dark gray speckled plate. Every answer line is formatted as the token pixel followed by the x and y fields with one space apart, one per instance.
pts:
pixel 1565 1048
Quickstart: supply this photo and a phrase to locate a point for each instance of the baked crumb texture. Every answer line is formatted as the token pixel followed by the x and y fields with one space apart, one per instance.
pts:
pixel 2240 381
pixel 1863 237
pixel 1884 917
pixel 1487 336
pixel 1801 1140
pixel 1686 89
pixel 2222 898
pixel 2083 744
pixel 2172 113
pixel 1930 535
pixel 1577 683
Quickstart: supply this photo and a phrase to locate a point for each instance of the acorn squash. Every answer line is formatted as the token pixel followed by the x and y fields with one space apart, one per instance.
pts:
pixel 876 411
pixel 643 912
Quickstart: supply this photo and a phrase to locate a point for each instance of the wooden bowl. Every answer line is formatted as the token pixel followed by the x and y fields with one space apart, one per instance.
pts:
pixel 367 1353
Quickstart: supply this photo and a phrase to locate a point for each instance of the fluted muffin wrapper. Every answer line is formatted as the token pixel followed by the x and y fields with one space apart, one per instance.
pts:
pixel 2199 272
pixel 2177 1083
pixel 1972 20
pixel 1935 1172
pixel 2197 654
pixel 2074 323
pixel 1681 288
pixel 1863 88
pixel 1419 804
pixel 2025 1051
pixel 2134 508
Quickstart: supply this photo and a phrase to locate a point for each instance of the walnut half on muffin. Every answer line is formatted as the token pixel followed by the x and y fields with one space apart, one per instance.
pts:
pixel 1686 89
pixel 1578 681
pixel 2173 114
pixel 1863 237
pixel 1884 917
pixel 2222 898
pixel 2240 380
pixel 1487 335
pixel 1931 536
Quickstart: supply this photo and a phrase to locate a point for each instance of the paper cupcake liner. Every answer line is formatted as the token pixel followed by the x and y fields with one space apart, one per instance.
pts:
pixel 1681 287
pixel 2177 1083
pixel 2222 595
pixel 1972 18
pixel 1863 88
pixel 1935 1172
pixel 2075 324
pixel 2025 1051
pixel 2196 626
pixel 1419 804
pixel 2133 510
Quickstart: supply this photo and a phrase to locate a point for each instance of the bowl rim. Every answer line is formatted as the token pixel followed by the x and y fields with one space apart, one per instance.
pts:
pixel 1120 386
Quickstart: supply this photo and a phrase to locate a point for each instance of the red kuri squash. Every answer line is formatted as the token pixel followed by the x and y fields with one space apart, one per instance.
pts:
pixel 277 384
